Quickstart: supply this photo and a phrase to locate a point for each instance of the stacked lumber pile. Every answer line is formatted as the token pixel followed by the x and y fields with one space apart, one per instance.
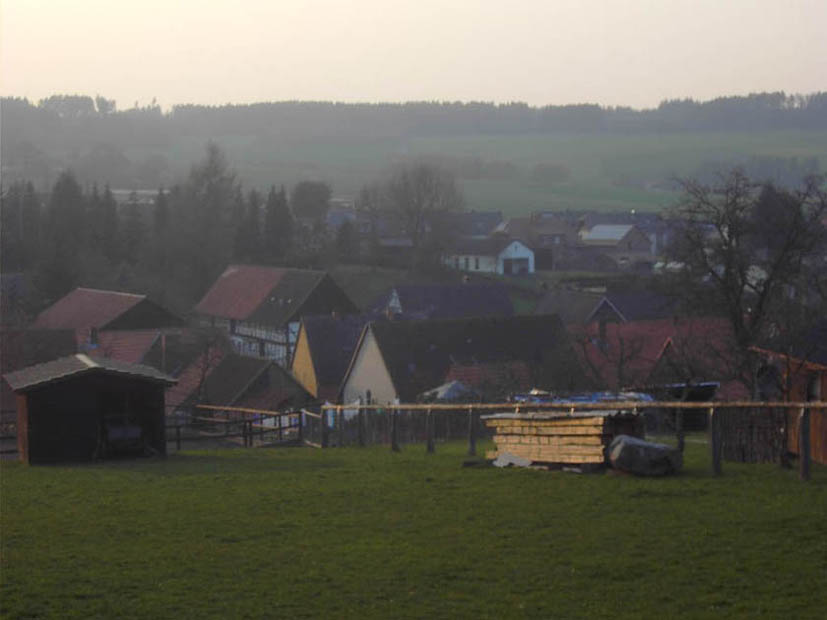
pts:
pixel 565 438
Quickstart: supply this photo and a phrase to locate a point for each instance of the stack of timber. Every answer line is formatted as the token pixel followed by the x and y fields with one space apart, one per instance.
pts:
pixel 560 437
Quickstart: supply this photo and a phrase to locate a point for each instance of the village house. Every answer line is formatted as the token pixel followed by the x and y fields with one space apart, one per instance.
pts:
pixel 495 355
pixel 626 244
pixel 260 307
pixel 91 311
pixel 549 235
pixel 323 351
pixel 492 255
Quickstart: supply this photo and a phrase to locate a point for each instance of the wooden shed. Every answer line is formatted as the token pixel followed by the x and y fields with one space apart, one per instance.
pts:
pixel 77 409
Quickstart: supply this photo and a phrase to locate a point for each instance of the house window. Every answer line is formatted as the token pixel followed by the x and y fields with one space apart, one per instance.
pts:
pixel 476 263
pixel 465 263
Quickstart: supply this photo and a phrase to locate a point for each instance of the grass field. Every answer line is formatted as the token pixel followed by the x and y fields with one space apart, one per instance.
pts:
pixel 597 162
pixel 365 533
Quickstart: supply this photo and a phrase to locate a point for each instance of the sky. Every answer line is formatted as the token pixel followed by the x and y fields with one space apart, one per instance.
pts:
pixel 612 52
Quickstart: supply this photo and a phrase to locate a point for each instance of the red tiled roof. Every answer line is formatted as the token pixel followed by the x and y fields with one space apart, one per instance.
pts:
pixel 513 375
pixel 126 346
pixel 191 376
pixel 630 351
pixel 86 307
pixel 239 291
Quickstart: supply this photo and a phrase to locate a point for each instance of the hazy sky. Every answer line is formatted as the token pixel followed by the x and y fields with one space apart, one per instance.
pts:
pixel 615 52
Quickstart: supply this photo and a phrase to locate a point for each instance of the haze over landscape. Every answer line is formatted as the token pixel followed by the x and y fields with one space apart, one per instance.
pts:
pixel 632 53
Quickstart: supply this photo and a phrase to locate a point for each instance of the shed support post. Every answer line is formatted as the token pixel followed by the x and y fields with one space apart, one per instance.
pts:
pixel 340 423
pixel 472 433
pixel 715 440
pixel 804 444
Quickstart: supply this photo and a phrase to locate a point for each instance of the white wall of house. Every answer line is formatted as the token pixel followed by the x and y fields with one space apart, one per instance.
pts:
pixel 369 373
pixel 515 251
pixel 472 263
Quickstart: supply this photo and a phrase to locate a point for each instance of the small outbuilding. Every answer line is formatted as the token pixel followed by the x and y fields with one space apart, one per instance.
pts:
pixel 77 408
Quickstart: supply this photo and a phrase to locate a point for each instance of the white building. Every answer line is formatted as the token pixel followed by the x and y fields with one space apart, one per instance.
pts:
pixel 492 255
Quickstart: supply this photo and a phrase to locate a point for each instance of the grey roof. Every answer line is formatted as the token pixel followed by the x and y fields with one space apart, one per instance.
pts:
pixel 606 233
pixel 78 364
pixel 448 301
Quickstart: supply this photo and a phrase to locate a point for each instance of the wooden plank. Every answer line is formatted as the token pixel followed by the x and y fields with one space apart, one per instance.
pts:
pixel 554 440
pixel 559 431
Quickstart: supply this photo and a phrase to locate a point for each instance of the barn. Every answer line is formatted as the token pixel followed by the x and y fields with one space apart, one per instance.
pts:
pixel 77 408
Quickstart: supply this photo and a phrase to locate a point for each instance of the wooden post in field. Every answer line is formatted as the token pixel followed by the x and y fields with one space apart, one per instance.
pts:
pixel 679 429
pixel 300 430
pixel 178 437
pixel 281 431
pixel 325 429
pixel 715 440
pixel 429 431
pixel 360 426
pixel 804 444
pixel 472 433
pixel 340 423
pixel 394 429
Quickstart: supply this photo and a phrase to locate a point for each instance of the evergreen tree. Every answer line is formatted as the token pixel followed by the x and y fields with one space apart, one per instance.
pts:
pixel 347 243
pixel 278 226
pixel 109 225
pixel 160 213
pixel 60 268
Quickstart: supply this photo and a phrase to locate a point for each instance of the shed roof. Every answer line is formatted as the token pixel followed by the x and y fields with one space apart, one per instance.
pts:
pixel 243 289
pixel 78 364
pixel 86 307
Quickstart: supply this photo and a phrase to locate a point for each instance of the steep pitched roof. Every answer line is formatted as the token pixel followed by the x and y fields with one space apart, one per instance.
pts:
pixel 86 307
pixel 124 345
pixel 271 295
pixel 449 301
pixel 331 341
pixel 78 364
pixel 638 305
pixel 418 354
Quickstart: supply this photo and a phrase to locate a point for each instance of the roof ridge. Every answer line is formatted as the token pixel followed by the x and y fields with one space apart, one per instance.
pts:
pixel 102 290
pixel 86 360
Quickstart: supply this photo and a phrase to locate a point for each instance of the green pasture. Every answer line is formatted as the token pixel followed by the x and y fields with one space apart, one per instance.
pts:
pixel 366 533
pixel 609 172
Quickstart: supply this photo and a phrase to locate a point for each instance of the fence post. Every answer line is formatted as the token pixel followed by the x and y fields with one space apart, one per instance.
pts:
pixel 472 433
pixel 679 429
pixel 340 421
pixel 429 431
pixel 360 425
pixel 394 430
pixel 177 437
pixel 300 430
pixel 715 441
pixel 804 444
pixel 281 432
pixel 325 429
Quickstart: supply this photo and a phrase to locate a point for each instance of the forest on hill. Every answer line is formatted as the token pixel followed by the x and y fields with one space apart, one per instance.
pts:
pixel 510 157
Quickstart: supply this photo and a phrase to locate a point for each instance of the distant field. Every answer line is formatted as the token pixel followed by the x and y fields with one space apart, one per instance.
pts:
pixel 364 533
pixel 608 172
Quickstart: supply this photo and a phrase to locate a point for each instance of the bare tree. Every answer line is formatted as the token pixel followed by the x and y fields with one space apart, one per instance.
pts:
pixel 749 252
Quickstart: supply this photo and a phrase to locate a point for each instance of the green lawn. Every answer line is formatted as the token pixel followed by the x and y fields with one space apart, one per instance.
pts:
pixel 366 533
